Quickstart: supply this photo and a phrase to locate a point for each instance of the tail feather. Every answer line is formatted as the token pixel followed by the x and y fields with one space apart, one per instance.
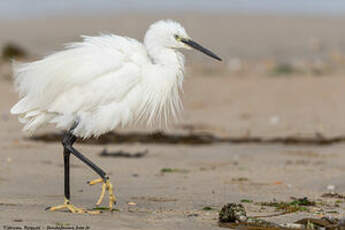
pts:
pixel 32 118
pixel 23 106
pixel 34 122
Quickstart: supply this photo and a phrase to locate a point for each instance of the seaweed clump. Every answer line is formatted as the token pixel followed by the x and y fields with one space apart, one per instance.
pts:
pixel 296 205
pixel 232 213
pixel 11 50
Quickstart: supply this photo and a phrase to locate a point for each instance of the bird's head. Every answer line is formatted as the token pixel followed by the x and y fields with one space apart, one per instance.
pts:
pixel 170 34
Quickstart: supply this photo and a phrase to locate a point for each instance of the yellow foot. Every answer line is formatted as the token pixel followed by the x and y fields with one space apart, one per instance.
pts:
pixel 70 207
pixel 106 186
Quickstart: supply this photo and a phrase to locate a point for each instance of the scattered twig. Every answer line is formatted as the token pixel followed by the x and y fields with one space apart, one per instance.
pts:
pixel 105 153
pixel 333 195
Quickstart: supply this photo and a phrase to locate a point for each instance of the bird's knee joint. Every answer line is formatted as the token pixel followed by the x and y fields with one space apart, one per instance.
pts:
pixel 65 142
pixel 68 139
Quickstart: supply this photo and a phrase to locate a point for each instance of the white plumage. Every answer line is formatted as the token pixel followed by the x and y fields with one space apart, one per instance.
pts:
pixel 105 82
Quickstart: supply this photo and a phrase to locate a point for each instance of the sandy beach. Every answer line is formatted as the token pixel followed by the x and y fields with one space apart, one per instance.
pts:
pixel 253 99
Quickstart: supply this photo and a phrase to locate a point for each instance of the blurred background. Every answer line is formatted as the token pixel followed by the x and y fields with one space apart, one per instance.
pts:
pixel 283 60
pixel 274 36
pixel 283 65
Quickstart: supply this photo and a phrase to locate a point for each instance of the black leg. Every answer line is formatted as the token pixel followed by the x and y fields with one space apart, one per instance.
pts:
pixel 67 141
pixel 66 155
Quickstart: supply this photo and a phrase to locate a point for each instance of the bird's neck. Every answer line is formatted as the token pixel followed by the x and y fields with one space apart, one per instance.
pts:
pixel 170 64
pixel 167 57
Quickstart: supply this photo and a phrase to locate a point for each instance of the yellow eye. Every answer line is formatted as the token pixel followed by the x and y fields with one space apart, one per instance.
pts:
pixel 178 38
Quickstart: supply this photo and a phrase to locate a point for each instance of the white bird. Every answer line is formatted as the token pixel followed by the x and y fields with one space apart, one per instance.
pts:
pixel 101 83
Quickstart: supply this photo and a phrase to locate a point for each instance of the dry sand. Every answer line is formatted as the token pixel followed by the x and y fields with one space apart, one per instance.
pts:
pixel 31 172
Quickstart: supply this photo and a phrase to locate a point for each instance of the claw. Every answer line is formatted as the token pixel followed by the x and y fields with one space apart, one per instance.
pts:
pixel 112 198
pixel 67 205
pixel 95 181
pixel 105 186
pixel 101 197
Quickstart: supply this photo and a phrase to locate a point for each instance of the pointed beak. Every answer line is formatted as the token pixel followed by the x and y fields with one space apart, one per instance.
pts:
pixel 197 46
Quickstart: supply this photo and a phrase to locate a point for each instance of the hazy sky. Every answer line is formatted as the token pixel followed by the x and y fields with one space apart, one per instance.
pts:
pixel 27 8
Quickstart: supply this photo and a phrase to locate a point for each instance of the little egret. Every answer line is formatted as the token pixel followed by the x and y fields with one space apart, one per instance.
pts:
pixel 102 83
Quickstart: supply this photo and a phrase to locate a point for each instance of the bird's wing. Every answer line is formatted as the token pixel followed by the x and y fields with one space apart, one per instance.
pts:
pixel 42 82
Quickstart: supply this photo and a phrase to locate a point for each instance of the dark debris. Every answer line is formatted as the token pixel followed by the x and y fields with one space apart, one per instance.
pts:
pixel 192 139
pixel 11 50
pixel 122 154
pixel 232 213
pixel 234 216
pixel 333 195
pixel 297 204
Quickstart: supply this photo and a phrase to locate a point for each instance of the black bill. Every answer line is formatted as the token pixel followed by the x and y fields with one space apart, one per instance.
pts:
pixel 195 45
